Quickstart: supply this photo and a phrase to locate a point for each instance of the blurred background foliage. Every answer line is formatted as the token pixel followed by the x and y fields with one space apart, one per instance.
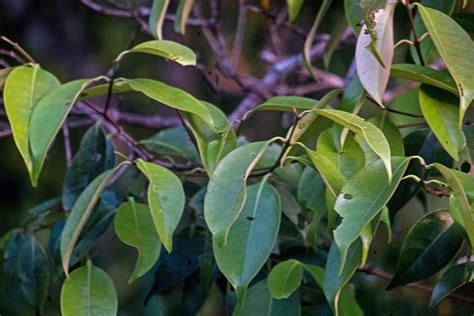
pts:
pixel 73 41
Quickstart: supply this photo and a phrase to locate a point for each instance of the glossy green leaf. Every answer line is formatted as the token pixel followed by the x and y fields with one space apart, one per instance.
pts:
pixel 425 75
pixel 34 272
pixel 259 301
pixel 285 278
pixel 372 135
pixel 392 134
pixel 294 7
pixel 166 200
pixel 81 211
pixel 457 50
pixel 167 49
pixel 441 111
pixel 182 14
pixel 251 237
pixel 88 291
pixel 374 73
pixel 334 281
pixel 452 279
pixel 466 220
pixel 157 17
pixel 429 246
pixel 134 226
pixel 95 155
pixel 287 103
pixel 362 198
pixel 24 88
pixel 47 118
pixel 226 191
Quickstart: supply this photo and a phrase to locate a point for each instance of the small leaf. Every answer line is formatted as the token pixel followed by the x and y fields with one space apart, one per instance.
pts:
pixel 226 191
pixel 88 291
pixel 166 200
pixel 429 246
pixel 134 226
pixel 452 279
pixel 81 211
pixel 251 237
pixel 287 103
pixel 433 77
pixel 294 7
pixel 392 134
pixel 362 198
pixel 374 75
pixel 47 118
pixel 259 301
pixel 157 17
pixel 441 112
pixel 285 278
pixel 457 50
pixel 34 272
pixel 167 49
pixel 182 14
pixel 24 88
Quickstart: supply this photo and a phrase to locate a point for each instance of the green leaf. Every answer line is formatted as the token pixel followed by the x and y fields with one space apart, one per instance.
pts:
pixel 466 221
pixel 457 50
pixel 259 301
pixel 167 49
pixel 374 72
pixel 335 37
pixel 24 88
pixel 226 191
pixel 452 279
pixel 334 281
pixel 172 142
pixel 47 118
pixel 134 226
pixel 294 7
pixel 95 155
pixel 251 237
pixel 285 278
pixel 287 103
pixel 157 17
pixel 372 135
pixel 166 200
pixel 182 14
pixel 425 75
pixel 354 14
pixel 429 246
pixel 392 134
pixel 362 198
pixel 34 272
pixel 81 211
pixel 88 291
pixel 441 112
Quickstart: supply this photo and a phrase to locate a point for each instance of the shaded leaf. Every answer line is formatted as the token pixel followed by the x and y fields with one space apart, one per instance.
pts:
pixel 134 226
pixel 392 134
pixel 294 7
pixel 88 291
pixel 166 200
pixel 157 17
pixel 429 246
pixel 287 103
pixel 167 49
pixel 4 72
pixel 452 279
pixel 182 14
pixel 251 237
pixel 285 278
pixel 12 251
pixel 354 14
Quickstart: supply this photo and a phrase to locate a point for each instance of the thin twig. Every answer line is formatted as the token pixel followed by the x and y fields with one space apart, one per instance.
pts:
pixel 416 40
pixel 67 144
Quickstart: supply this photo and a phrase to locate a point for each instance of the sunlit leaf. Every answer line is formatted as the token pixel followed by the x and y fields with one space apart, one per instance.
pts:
pixel 167 49
pixel 287 103
pixel 157 17
pixel 182 14
pixel 285 278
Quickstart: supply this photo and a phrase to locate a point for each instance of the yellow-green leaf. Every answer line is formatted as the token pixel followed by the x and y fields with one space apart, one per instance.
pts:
pixel 168 49
pixel 157 17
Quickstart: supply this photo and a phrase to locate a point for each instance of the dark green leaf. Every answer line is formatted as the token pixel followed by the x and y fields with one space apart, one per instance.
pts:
pixel 182 14
pixel 287 103
pixel 285 278
pixel 452 279
pixel 157 17
pixel 392 134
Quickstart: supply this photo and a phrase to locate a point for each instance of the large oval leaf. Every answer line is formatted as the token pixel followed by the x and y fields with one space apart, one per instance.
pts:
pixel 48 117
pixel 429 246
pixel 362 198
pixel 134 226
pixel 81 211
pixel 167 49
pixel 441 111
pixel 251 238
pixel 457 50
pixel 226 191
pixel 285 278
pixel 374 75
pixel 455 277
pixel 24 87
pixel 34 272
pixel 165 198
pixel 88 291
